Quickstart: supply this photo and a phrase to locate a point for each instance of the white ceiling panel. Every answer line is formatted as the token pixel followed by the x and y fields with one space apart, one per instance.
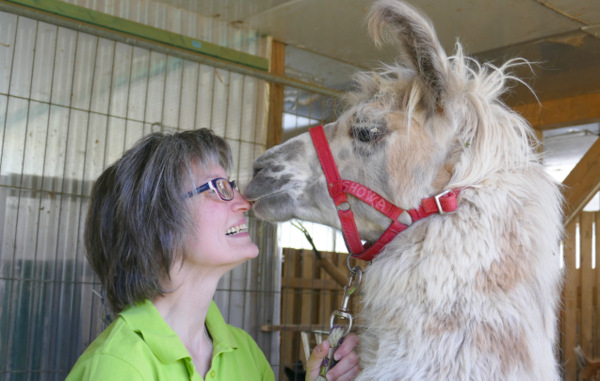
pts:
pixel 585 11
pixel 337 28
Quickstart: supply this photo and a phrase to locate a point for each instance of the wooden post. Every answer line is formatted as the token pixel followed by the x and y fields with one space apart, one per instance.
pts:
pixel 569 323
pixel 275 127
pixel 289 310
pixel 596 305
pixel 587 282
pixel 583 182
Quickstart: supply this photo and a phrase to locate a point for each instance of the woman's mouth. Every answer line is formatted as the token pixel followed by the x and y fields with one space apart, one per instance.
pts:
pixel 243 228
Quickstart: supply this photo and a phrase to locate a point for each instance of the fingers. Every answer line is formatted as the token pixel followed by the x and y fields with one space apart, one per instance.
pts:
pixel 347 367
pixel 348 374
pixel 348 344
pixel 313 365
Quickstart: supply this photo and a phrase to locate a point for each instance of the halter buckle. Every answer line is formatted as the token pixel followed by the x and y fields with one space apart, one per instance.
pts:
pixel 438 203
pixel 344 206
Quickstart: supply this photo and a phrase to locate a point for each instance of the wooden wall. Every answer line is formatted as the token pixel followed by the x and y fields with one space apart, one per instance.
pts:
pixel 580 317
pixel 309 295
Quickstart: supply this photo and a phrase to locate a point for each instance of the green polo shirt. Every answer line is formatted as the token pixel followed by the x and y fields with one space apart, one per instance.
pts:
pixel 139 345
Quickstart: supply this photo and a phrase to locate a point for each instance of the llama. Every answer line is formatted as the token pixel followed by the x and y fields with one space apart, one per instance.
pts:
pixel 467 295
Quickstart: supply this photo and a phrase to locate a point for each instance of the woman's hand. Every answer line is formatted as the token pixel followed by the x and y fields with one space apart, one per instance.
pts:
pixel 347 367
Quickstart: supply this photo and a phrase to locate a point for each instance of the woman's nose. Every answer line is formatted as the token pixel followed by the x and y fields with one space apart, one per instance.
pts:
pixel 240 202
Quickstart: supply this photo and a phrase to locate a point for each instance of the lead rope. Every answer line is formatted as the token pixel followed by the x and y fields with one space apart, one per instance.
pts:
pixel 341 320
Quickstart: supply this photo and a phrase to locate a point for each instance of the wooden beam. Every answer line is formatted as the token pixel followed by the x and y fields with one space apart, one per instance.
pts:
pixel 556 113
pixel 310 284
pixel 569 327
pixel 582 183
pixel 275 127
pixel 295 328
pixel 587 274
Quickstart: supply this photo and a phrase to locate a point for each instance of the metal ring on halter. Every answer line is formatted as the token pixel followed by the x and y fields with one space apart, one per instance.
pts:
pixel 348 263
pixel 353 269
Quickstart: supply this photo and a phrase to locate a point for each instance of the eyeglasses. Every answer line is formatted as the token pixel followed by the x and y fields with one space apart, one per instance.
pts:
pixel 223 187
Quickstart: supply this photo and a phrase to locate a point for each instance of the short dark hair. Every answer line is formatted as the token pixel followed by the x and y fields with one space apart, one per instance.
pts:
pixel 138 217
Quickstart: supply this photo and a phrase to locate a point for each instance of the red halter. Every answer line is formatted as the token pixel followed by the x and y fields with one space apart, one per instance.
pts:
pixel 338 189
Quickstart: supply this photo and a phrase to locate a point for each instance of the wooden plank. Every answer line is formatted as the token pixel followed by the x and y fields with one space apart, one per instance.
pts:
pixel 569 331
pixel 102 20
pixel 596 304
pixel 310 284
pixel 275 126
pixel 555 113
pixel 317 280
pixel 334 272
pixel 309 298
pixel 333 300
pixel 337 295
pixel 306 304
pixel 324 295
pixel 586 221
pixel 582 183
pixel 289 310
pixel 294 327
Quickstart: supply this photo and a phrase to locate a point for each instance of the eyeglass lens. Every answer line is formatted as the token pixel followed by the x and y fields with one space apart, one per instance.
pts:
pixel 224 188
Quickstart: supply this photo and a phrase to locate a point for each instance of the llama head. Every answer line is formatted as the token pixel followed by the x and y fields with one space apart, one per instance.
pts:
pixel 409 131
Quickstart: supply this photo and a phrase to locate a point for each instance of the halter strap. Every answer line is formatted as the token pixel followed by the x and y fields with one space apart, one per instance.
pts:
pixel 338 189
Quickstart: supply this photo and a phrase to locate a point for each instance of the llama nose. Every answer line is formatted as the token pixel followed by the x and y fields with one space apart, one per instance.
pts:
pixel 267 162
pixel 260 163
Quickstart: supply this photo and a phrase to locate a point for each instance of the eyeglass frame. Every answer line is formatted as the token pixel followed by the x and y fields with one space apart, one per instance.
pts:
pixel 212 184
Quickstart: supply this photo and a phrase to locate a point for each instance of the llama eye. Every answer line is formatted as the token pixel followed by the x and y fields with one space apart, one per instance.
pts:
pixel 368 134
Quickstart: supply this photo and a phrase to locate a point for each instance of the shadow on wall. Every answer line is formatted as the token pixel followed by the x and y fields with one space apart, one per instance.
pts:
pixel 45 321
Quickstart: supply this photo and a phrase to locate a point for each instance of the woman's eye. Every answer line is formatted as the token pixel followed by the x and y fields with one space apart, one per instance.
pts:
pixel 367 134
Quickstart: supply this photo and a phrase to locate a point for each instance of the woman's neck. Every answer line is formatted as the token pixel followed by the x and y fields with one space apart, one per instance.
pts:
pixel 184 308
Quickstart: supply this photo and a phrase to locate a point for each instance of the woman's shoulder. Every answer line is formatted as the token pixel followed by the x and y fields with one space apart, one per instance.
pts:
pixel 117 338
pixel 116 351
pixel 130 345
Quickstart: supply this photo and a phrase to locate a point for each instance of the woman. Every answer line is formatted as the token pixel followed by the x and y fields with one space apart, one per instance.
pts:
pixel 165 224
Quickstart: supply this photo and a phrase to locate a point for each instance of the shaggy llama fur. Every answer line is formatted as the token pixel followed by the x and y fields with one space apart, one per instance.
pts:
pixel 468 295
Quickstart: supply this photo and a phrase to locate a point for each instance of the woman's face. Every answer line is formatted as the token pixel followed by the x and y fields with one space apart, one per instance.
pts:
pixel 219 237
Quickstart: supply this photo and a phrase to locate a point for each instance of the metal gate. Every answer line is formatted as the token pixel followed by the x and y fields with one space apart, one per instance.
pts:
pixel 70 104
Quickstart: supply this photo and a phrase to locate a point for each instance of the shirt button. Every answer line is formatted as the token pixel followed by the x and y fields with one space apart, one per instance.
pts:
pixel 213 373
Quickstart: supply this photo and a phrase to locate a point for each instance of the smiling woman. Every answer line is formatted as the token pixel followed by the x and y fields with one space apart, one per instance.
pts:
pixel 160 250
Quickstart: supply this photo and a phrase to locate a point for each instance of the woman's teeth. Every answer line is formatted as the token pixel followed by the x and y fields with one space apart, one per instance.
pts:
pixel 237 229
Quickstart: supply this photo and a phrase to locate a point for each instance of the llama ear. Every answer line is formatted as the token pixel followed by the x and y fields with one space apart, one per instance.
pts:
pixel 393 21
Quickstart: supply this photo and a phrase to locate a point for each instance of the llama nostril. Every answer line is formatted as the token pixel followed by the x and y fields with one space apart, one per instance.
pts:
pixel 256 169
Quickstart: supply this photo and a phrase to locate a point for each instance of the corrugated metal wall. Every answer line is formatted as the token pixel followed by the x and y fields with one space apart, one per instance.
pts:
pixel 70 104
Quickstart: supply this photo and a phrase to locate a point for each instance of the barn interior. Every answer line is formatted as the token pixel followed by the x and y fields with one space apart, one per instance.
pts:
pixel 559 38
pixel 263 71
